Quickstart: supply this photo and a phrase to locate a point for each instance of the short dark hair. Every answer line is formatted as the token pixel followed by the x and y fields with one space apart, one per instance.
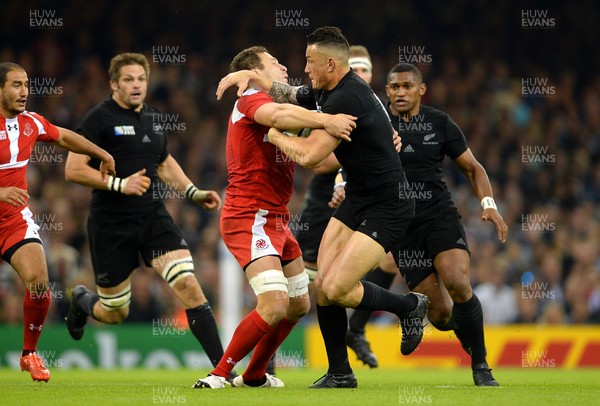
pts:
pixel 6 67
pixel 407 67
pixel 248 59
pixel 329 36
pixel 125 59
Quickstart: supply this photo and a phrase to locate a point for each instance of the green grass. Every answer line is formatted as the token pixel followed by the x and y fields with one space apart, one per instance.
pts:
pixel 376 387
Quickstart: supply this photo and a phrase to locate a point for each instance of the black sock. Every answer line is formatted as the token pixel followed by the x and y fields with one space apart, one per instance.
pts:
pixel 204 327
pixel 87 302
pixel 450 324
pixel 377 298
pixel 359 318
pixel 469 319
pixel 333 323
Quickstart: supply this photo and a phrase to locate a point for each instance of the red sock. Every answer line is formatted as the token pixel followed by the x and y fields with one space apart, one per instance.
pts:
pixel 265 349
pixel 247 334
pixel 35 308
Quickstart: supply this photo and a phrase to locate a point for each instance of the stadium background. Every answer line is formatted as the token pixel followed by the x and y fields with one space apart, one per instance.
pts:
pixel 521 81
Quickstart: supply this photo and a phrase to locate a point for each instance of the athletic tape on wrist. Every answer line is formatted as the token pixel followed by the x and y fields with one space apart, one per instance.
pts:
pixel 190 191
pixel 117 184
pixel 339 184
pixel 488 203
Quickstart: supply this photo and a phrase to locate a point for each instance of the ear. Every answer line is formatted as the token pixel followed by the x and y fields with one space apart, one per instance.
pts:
pixel 331 64
pixel 422 89
pixel 113 85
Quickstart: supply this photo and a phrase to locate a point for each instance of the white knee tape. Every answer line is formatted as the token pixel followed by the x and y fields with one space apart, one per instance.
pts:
pixel 177 269
pixel 269 280
pixel 312 273
pixel 116 301
pixel 298 285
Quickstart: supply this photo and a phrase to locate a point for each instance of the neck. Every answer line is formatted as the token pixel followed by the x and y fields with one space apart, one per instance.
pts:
pixel 336 77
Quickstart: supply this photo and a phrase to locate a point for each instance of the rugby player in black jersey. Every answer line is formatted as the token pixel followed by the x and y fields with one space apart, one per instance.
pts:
pixel 373 217
pixel 127 219
pixel 437 249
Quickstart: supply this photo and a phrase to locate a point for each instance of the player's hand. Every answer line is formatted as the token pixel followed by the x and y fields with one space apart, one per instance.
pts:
pixel 340 126
pixel 397 142
pixel 107 167
pixel 339 194
pixel 13 195
pixel 273 132
pixel 137 183
pixel 494 216
pixel 209 199
pixel 240 79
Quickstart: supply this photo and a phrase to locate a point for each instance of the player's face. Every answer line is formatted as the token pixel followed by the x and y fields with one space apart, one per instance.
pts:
pixel 272 68
pixel 13 96
pixel 404 92
pixel 317 67
pixel 129 91
pixel 364 73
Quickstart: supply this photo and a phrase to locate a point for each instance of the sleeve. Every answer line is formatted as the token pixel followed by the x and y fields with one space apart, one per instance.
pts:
pixel 89 127
pixel 164 153
pixel 247 105
pixel 306 98
pixel 50 132
pixel 455 143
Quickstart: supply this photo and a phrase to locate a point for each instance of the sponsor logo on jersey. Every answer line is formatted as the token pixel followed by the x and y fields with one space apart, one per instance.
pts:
pixel 146 139
pixel 409 148
pixel 2 135
pixel 124 130
pixel 12 127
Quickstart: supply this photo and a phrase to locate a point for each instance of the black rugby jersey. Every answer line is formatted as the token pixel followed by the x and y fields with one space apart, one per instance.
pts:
pixel 136 141
pixel 370 160
pixel 426 140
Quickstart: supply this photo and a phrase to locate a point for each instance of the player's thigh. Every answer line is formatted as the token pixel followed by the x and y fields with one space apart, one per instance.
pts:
pixel 335 238
pixel 359 255
pixel 114 250
pixel 29 261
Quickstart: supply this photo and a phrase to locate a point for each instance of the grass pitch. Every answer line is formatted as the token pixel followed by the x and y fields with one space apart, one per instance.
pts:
pixel 376 387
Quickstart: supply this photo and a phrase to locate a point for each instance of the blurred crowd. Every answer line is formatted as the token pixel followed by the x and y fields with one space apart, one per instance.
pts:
pixel 541 151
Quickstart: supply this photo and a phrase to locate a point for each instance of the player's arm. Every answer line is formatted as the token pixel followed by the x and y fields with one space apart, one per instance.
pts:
pixel 480 184
pixel 328 165
pixel 290 117
pixel 76 143
pixel 308 152
pixel 280 92
pixel 171 173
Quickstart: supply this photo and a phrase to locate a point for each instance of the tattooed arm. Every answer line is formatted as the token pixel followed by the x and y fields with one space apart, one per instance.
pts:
pixel 280 92
pixel 283 93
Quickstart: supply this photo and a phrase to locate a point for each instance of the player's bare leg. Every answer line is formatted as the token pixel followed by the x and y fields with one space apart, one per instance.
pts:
pixel 30 263
pixel 266 277
pixel 453 268
pixel 356 338
pixel 345 257
pixel 299 305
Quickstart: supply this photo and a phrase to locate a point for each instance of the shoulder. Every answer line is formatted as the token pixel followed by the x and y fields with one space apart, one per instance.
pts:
pixel 433 112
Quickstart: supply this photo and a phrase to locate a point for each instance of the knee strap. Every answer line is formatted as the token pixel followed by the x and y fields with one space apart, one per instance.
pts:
pixel 298 285
pixel 177 269
pixel 269 280
pixel 117 300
